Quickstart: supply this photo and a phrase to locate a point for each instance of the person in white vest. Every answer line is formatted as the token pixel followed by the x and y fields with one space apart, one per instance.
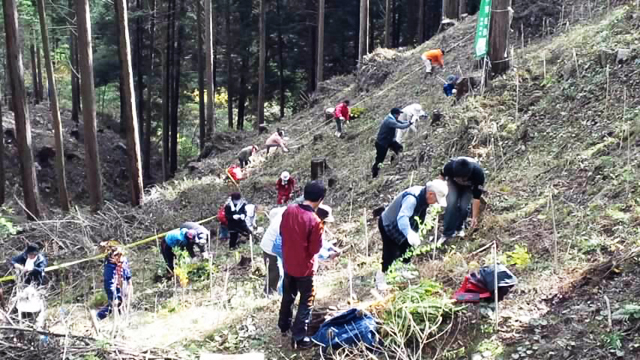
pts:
pixel 411 113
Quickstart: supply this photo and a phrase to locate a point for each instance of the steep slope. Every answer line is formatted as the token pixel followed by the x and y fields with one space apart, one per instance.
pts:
pixel 557 136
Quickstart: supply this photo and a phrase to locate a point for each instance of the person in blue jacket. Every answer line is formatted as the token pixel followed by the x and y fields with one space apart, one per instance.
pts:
pixel 31 263
pixel 449 88
pixel 117 280
pixel 180 238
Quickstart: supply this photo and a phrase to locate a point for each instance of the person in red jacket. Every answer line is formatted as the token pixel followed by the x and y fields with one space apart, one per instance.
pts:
pixel 341 114
pixel 285 185
pixel 301 231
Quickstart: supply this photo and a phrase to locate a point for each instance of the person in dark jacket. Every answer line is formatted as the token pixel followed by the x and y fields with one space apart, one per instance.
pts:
pixel 466 180
pixel 31 263
pixel 235 211
pixel 398 226
pixel 117 280
pixel 179 238
pixel 387 138
pixel 449 88
pixel 245 154
pixel 301 230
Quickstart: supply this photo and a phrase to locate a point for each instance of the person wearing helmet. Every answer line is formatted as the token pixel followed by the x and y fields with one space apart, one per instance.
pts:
pixel 285 186
pixel 180 238
pixel 276 140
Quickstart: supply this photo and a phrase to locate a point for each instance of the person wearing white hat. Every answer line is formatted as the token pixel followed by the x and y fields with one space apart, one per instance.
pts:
pixel 398 226
pixel 411 113
pixel 285 186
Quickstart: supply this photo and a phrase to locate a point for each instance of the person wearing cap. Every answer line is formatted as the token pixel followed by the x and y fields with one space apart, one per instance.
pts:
pixel 465 179
pixel 179 238
pixel 202 237
pixel 449 88
pixel 341 114
pixel 245 154
pixel 411 113
pixel 398 226
pixel 276 140
pixel 301 231
pixel 285 186
pixel 116 279
pixel 432 58
pixel 236 213
pixel 31 263
pixel 386 138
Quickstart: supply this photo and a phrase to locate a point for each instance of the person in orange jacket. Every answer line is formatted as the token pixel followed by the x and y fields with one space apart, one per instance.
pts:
pixel 285 185
pixel 432 58
pixel 341 114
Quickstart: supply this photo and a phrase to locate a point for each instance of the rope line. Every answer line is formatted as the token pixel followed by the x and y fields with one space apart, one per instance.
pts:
pixel 101 256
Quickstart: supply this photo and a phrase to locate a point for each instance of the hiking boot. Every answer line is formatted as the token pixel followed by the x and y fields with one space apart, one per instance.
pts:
pixel 337 134
pixel 304 343
pixel 461 233
pixel 381 283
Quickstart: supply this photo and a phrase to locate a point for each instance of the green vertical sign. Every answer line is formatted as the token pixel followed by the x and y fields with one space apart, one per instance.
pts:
pixel 481 45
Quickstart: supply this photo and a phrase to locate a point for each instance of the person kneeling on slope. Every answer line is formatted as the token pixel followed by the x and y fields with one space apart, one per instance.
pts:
pixel 285 186
pixel 398 226
pixel 386 138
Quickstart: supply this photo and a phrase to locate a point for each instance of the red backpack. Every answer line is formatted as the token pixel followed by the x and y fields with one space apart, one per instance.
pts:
pixel 221 216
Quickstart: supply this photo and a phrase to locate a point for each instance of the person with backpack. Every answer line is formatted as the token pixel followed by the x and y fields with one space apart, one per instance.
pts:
pixel 387 138
pixel 236 214
pixel 116 279
pixel 31 263
pixel 223 232
pixel 341 114
pixel 398 226
pixel 276 140
pixel 301 231
pixel 465 179
pixel 285 185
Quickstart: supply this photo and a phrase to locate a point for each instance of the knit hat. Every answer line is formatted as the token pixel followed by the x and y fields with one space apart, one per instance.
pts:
pixel 441 189
pixel 396 111
pixel 314 191
pixel 236 196
pixel 32 248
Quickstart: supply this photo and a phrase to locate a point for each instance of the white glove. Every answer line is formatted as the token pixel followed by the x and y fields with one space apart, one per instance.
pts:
pixel 205 255
pixel 236 217
pixel 243 217
pixel 413 238
pixel 341 118
pixel 454 91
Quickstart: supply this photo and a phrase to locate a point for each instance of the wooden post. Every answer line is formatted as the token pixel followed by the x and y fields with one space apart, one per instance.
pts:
pixel 318 167
pixel 366 232
pixel 320 62
pixel 495 283
pixel 499 36
pixel 450 9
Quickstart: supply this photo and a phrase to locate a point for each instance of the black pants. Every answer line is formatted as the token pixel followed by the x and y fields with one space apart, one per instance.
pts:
pixel 243 162
pixel 292 286
pixel 391 250
pixel 167 254
pixel 458 201
pixel 339 125
pixel 273 273
pixel 233 239
pixel 381 154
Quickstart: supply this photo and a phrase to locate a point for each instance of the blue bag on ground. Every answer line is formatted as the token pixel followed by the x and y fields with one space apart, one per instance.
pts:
pixel 351 328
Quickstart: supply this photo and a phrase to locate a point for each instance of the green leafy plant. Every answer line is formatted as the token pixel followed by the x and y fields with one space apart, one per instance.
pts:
pixel 357 112
pixel 628 312
pixel 613 340
pixel 519 257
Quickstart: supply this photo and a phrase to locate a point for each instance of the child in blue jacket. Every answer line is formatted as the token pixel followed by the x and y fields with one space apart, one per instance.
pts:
pixel 117 280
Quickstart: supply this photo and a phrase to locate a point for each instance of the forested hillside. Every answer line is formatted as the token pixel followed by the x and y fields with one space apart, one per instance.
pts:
pixel 551 115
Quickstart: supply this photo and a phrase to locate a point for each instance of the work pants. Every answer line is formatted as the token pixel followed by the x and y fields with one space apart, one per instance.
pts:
pixel 283 198
pixel 339 125
pixel 391 250
pixel 167 254
pixel 292 286
pixel 381 154
pixel 458 201
pixel 273 273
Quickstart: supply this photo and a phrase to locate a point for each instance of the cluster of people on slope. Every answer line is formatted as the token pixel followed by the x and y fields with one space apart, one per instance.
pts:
pixel 275 141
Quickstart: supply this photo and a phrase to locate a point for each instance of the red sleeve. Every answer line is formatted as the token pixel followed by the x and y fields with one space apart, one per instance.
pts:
pixel 315 240
pixel 337 111
pixel 278 184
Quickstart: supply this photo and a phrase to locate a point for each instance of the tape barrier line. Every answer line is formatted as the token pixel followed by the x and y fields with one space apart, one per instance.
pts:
pixel 101 256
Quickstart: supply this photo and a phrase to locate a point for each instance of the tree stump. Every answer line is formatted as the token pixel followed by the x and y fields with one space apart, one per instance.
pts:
pixel 436 117
pixel 318 168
